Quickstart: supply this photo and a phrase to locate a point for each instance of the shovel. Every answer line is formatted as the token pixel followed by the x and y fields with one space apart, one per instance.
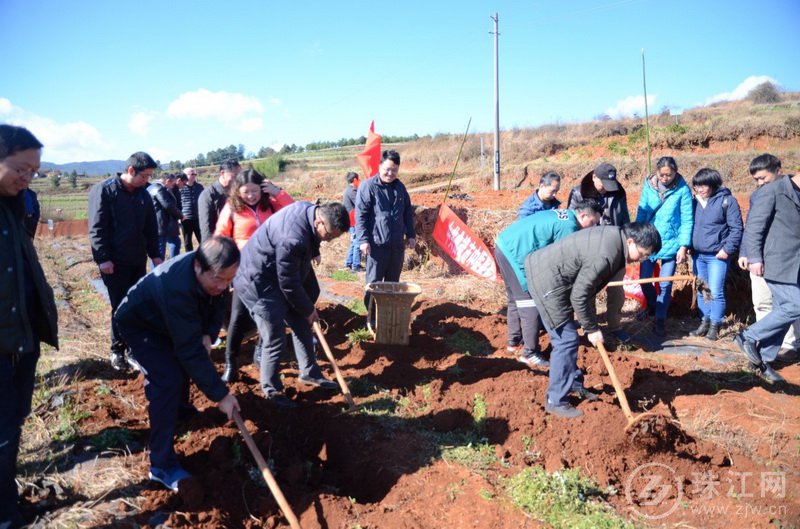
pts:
pixel 351 405
pixel 268 477
pixel 623 400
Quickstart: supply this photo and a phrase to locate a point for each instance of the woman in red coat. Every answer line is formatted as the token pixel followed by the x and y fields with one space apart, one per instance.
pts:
pixel 252 201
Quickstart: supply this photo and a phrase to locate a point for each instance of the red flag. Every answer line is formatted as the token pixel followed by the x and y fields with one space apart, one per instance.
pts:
pixel 370 157
pixel 458 241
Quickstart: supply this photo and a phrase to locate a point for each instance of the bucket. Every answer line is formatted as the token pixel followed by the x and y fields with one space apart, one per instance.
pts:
pixel 390 310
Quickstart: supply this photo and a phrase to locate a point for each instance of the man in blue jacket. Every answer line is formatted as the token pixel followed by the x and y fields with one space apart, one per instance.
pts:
pixel 123 233
pixel 512 247
pixel 772 238
pixel 384 222
pixel 543 198
pixel 27 308
pixel 169 319
pixel 277 284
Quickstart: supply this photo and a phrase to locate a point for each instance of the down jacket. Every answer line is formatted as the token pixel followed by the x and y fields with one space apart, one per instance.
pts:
pixel 671 214
pixel 278 258
pixel 170 302
pixel 567 275
pixel 241 225
pixel 210 203
pixel 718 225
pixel 22 326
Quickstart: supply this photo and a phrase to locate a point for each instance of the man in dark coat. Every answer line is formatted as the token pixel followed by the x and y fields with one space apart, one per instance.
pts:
pixel 278 286
pixel 168 215
pixel 27 308
pixel 384 222
pixel 123 233
pixel 772 238
pixel 190 192
pixel 564 278
pixel 169 319
pixel 602 186
pixel 213 198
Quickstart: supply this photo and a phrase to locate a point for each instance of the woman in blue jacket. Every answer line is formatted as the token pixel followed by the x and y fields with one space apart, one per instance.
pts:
pixel 716 237
pixel 666 202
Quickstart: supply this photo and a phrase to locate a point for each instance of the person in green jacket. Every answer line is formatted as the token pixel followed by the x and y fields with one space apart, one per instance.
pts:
pixel 27 308
pixel 524 236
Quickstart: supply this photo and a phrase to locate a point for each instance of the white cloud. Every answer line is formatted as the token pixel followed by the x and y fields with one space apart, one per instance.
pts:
pixel 235 110
pixel 741 91
pixel 158 153
pixel 140 122
pixel 275 102
pixel 630 105
pixel 75 141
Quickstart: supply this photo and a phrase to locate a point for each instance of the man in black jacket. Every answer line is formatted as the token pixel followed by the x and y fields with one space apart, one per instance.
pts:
pixel 123 233
pixel 564 278
pixel 169 319
pixel 772 239
pixel 602 186
pixel 168 215
pixel 190 195
pixel 278 286
pixel 27 308
pixel 353 259
pixel 213 198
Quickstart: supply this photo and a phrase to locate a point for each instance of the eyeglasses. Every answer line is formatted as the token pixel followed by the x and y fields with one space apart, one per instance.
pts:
pixel 27 173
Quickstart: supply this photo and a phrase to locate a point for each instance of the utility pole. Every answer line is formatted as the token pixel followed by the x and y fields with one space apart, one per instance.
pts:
pixel 496 186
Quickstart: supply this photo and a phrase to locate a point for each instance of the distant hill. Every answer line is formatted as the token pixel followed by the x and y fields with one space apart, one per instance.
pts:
pixel 97 168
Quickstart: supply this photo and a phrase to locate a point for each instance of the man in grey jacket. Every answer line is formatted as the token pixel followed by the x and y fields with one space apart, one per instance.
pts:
pixel 564 278
pixel 772 239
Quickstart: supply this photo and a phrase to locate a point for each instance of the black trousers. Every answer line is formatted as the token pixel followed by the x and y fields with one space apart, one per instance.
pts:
pixel 190 227
pixel 240 324
pixel 17 378
pixel 166 386
pixel 118 284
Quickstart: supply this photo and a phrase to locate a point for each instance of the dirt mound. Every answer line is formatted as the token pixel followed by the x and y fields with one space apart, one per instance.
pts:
pixel 386 465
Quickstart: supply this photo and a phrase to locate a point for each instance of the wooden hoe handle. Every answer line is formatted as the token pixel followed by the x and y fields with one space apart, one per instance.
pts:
pixel 268 477
pixel 623 400
pixel 649 280
pixel 339 378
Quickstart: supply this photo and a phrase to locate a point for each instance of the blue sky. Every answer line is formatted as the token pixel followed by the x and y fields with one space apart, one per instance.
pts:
pixel 100 79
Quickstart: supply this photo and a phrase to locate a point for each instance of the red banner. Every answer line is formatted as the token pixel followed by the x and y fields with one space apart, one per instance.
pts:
pixel 458 241
pixel 370 157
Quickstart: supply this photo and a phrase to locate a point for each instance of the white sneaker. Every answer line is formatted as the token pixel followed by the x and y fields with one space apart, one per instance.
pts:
pixel 533 360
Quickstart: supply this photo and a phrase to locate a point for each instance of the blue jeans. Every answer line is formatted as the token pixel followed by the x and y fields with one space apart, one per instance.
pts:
pixel 769 331
pixel 660 301
pixel 564 373
pixel 171 243
pixel 353 259
pixel 17 380
pixel 713 272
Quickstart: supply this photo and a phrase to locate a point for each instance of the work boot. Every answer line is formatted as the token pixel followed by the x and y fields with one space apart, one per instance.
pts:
pixel 702 329
pixel 231 373
pixel 713 332
pixel 658 328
